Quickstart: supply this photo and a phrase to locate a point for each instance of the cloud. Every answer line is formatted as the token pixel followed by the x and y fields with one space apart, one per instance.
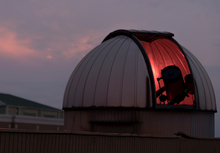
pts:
pixel 22 49
pixel 30 49
pixel 81 46
pixel 12 47
pixel 49 57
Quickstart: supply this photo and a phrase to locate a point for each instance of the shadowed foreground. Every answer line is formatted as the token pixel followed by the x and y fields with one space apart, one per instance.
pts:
pixel 21 141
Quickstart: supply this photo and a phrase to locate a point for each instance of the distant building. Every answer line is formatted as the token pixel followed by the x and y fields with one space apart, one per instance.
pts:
pixel 19 113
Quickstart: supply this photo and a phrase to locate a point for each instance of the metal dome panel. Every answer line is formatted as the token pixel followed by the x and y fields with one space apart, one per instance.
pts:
pixel 114 74
pixel 204 89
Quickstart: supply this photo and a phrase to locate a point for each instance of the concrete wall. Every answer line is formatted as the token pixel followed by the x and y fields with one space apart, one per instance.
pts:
pixel 152 122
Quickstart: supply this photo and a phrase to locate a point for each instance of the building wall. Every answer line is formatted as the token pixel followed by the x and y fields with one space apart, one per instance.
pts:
pixel 2 109
pixel 66 142
pixel 30 123
pixel 150 122
pixel 26 111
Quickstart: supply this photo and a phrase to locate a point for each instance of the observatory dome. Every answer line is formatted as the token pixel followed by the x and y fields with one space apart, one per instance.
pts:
pixel 140 69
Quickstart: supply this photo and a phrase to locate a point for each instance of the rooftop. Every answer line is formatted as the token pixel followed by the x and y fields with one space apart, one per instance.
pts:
pixel 7 99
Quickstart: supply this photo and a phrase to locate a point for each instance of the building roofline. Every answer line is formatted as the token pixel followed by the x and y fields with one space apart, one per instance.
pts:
pixel 12 100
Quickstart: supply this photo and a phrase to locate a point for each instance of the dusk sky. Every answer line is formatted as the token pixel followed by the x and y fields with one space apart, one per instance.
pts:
pixel 41 41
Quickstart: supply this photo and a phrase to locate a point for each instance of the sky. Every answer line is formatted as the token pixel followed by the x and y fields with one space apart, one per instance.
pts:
pixel 41 41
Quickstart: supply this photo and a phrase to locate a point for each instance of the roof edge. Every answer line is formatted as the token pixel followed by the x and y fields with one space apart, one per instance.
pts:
pixel 139 34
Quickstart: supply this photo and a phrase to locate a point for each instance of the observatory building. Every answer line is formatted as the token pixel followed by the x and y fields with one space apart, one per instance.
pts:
pixel 140 82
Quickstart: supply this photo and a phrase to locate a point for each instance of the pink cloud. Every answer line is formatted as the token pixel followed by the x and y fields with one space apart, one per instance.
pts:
pixel 28 50
pixel 49 57
pixel 82 46
pixel 11 46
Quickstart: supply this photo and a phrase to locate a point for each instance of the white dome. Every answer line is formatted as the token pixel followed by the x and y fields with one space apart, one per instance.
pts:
pixel 113 74
pixel 125 71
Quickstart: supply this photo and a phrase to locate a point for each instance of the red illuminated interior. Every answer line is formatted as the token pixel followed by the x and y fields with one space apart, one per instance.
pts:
pixel 163 53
